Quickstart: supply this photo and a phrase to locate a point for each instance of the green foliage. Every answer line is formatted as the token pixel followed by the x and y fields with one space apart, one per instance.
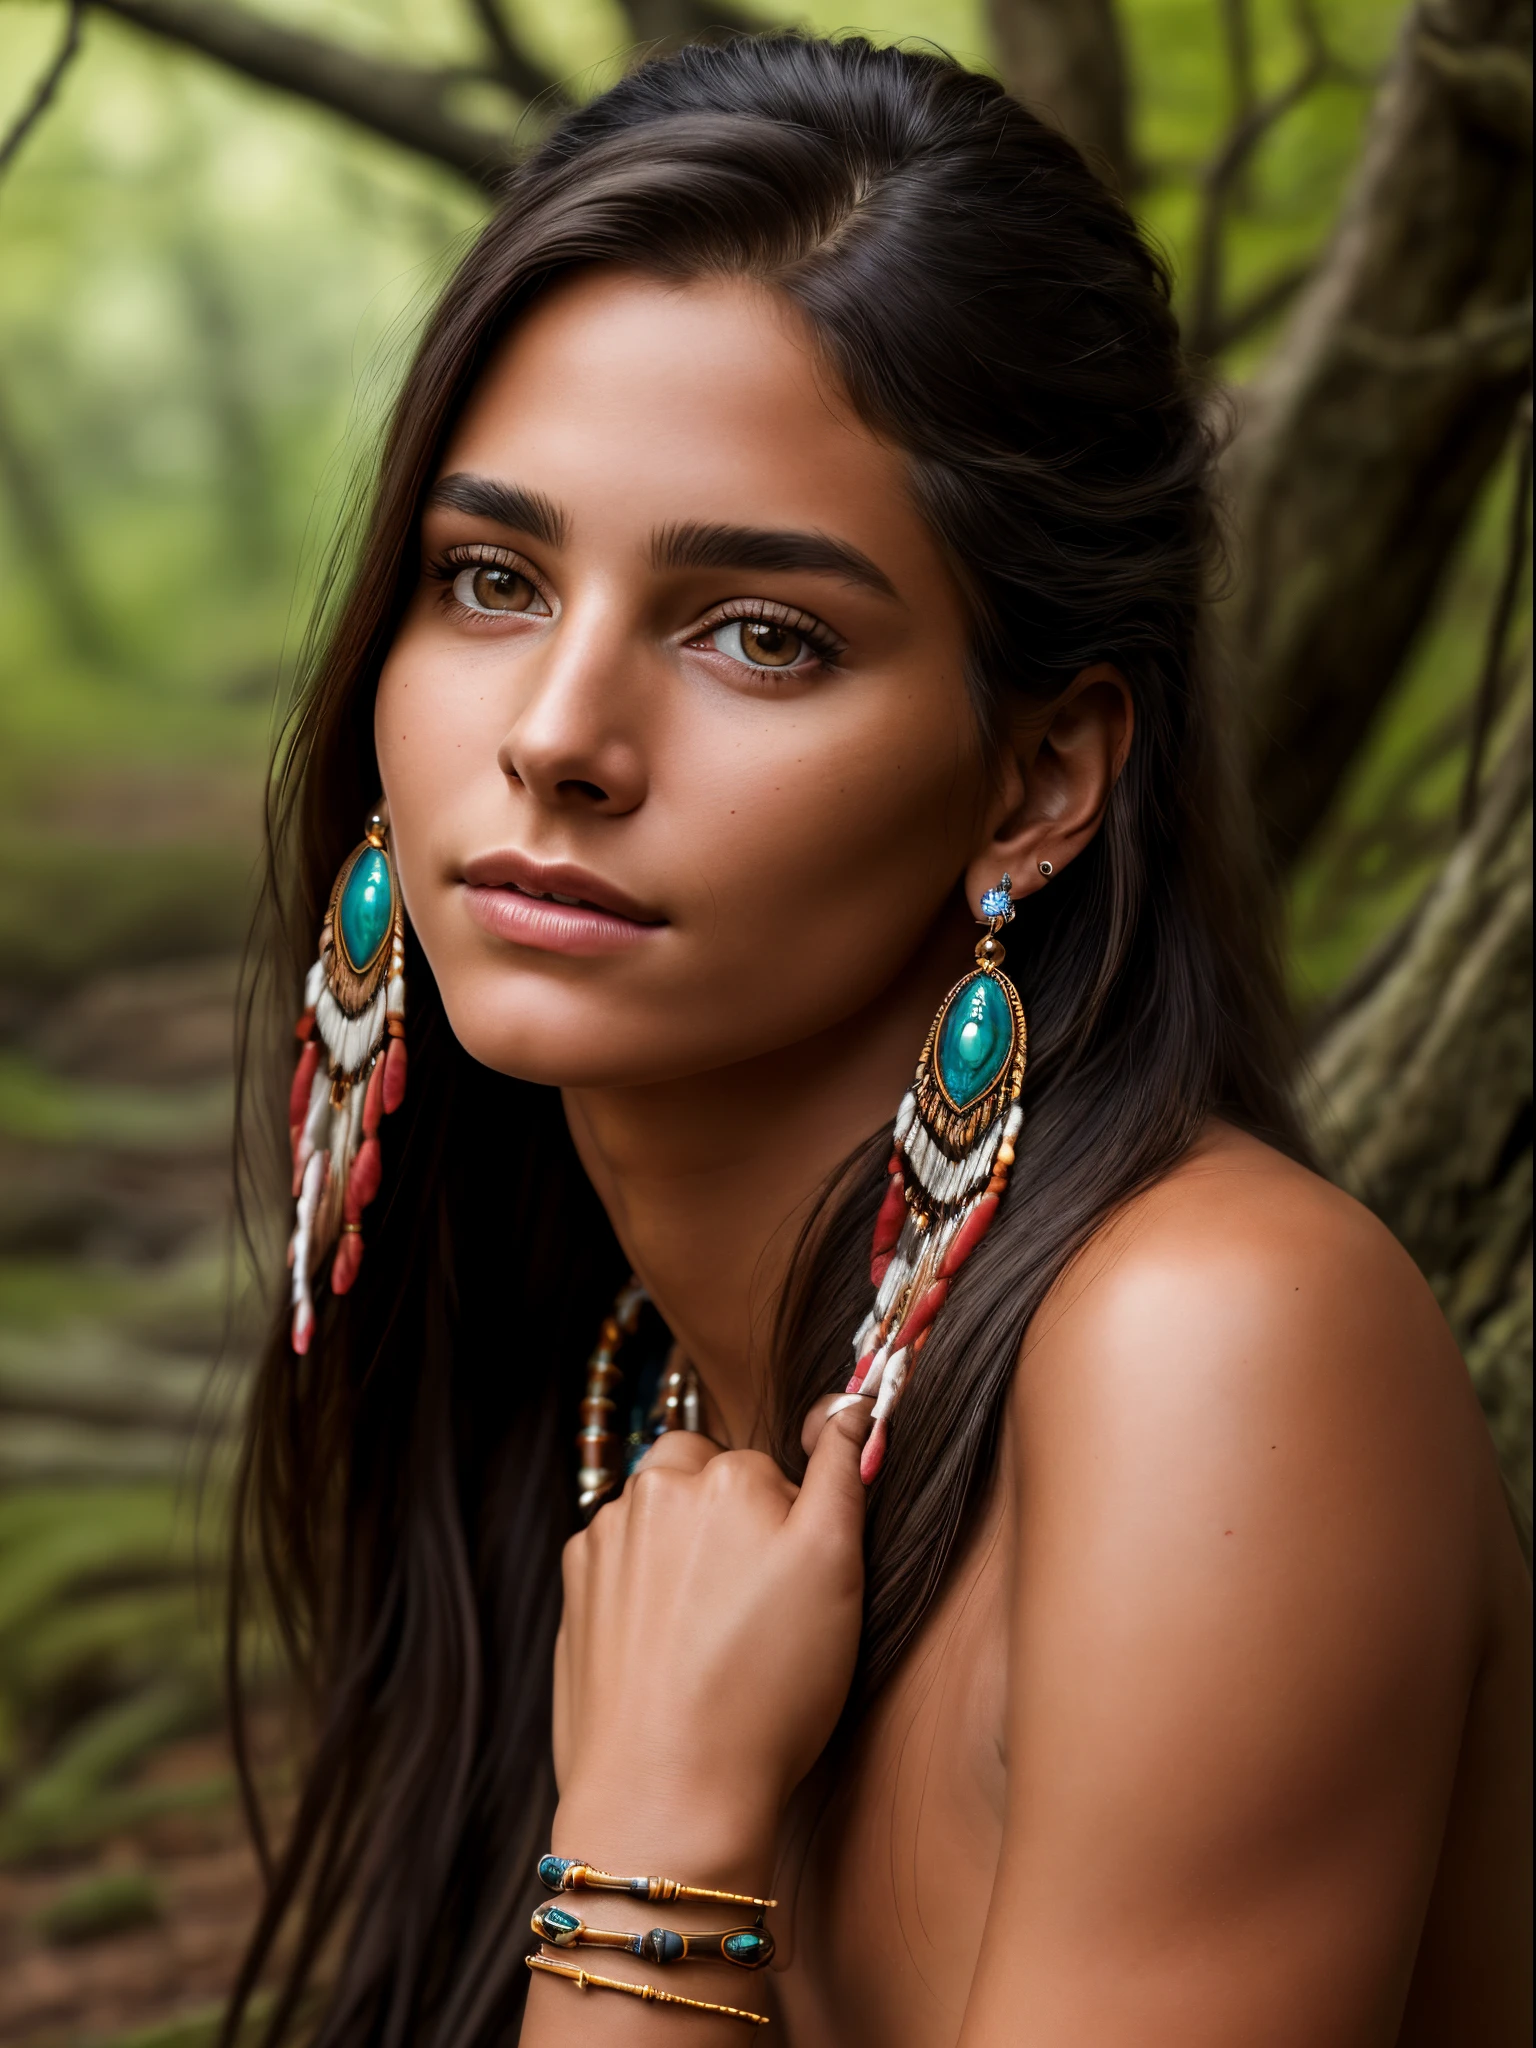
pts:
pixel 201 2029
pixel 99 1906
pixel 38 1105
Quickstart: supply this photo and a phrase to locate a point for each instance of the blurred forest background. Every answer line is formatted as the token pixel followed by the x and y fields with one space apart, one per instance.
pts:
pixel 220 223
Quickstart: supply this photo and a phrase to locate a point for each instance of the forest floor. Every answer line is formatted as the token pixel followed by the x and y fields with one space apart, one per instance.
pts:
pixel 127 1884
pixel 137 1938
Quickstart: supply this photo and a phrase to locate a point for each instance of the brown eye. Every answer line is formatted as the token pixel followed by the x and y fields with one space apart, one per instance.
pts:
pixel 492 587
pixel 759 642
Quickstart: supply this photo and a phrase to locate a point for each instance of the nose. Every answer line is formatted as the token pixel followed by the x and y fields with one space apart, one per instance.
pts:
pixel 574 744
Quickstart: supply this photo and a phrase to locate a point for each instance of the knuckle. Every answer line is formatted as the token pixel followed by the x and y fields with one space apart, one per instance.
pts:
pixel 603 1529
pixel 650 1486
pixel 739 1474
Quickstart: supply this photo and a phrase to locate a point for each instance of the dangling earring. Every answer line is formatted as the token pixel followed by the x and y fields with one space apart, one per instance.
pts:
pixel 954 1138
pixel 351 1071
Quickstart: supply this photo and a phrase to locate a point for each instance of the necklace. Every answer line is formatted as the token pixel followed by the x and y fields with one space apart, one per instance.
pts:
pixel 604 1459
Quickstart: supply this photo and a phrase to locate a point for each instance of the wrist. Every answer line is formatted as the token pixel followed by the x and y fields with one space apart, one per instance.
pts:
pixel 650 1825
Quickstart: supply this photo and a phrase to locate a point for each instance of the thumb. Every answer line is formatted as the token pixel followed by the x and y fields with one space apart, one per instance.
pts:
pixel 832 1490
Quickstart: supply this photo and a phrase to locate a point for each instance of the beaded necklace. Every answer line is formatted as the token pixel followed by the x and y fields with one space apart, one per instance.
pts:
pixel 604 1458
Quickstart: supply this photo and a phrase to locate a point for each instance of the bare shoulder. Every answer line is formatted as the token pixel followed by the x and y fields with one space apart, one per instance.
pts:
pixel 1259 1568
pixel 1246 1337
pixel 1248 1240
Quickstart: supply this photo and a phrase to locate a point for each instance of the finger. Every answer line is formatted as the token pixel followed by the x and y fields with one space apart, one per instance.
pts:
pixel 561 1703
pixel 679 1450
pixel 832 1490
pixel 816 1416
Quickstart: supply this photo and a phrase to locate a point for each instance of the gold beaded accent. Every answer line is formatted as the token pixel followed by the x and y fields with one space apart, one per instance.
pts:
pixel 586 1877
pixel 708 1945
pixel 597 1443
pixel 599 1449
pixel 584 1980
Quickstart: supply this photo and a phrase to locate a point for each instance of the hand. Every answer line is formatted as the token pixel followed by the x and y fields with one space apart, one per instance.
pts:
pixel 710 1631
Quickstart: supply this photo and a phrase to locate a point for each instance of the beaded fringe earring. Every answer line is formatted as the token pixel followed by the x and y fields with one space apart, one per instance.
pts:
pixel 954 1142
pixel 351 1070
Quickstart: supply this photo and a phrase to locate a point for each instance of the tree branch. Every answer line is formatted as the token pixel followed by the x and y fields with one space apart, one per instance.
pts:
pixel 1262 305
pixel 1500 337
pixel 1373 427
pixel 1491 84
pixel 514 66
pixel 1065 59
pixel 41 535
pixel 403 103
pixel 46 87
pixel 1242 79
pixel 1486 703
pixel 1222 176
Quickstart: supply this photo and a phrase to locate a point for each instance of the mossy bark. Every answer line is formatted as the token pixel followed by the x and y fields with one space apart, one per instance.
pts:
pixel 1420 1091
pixel 1373 426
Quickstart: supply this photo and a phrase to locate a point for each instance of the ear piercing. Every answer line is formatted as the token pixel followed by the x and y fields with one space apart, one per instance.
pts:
pixel 1046 869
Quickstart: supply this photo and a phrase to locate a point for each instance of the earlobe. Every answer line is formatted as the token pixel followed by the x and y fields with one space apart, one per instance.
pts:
pixel 1063 772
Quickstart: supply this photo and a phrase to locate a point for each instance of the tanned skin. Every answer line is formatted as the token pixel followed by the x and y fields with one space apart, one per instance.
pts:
pixel 1220 1733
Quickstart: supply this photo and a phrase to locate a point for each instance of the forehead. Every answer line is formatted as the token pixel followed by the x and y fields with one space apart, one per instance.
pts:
pixel 622 396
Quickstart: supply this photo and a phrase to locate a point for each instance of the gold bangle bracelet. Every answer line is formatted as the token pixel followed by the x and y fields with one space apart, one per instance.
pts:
pixel 565 1874
pixel 749 1948
pixel 584 1980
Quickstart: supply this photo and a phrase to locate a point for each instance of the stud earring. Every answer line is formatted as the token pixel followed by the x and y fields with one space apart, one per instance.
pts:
pixel 954 1144
pixel 351 1070
pixel 1046 869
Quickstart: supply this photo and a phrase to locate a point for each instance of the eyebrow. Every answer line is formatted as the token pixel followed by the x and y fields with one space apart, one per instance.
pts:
pixel 690 545
pixel 509 505
pixel 693 546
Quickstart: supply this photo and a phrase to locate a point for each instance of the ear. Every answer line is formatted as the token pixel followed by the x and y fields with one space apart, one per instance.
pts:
pixel 1059 771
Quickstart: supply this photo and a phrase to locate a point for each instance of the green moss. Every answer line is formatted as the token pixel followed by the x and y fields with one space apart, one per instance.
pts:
pixel 110 1903
pixel 70 907
pixel 46 1109
pixel 75 1799
pixel 201 2029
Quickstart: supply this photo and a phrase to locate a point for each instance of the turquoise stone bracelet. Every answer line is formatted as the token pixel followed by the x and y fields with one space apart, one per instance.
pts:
pixel 749 1948
pixel 567 1874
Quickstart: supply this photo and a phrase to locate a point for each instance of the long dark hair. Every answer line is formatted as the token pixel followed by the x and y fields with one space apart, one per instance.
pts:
pixel 406 1488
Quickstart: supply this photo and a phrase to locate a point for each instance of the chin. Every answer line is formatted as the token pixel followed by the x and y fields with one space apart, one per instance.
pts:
pixel 556 1039
pixel 574 1050
pixel 597 1037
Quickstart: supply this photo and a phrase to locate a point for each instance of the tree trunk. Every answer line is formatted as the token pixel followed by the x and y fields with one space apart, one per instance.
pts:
pixel 1065 60
pixel 1422 1102
pixel 1375 424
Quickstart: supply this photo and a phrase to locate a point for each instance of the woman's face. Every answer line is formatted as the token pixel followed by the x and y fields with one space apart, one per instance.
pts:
pixel 680 761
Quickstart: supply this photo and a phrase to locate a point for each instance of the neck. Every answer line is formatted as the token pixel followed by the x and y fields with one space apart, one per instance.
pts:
pixel 708 1180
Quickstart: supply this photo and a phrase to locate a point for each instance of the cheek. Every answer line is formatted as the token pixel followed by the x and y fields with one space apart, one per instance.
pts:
pixel 436 738
pixel 431 727
pixel 833 842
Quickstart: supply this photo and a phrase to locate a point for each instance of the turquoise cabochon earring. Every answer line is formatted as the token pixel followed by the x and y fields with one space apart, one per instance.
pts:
pixel 954 1142
pixel 351 1069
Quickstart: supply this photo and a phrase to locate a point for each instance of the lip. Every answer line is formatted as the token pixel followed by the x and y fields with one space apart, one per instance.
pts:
pixel 506 893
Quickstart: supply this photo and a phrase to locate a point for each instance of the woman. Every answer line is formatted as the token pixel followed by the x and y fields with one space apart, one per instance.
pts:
pixel 785 571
